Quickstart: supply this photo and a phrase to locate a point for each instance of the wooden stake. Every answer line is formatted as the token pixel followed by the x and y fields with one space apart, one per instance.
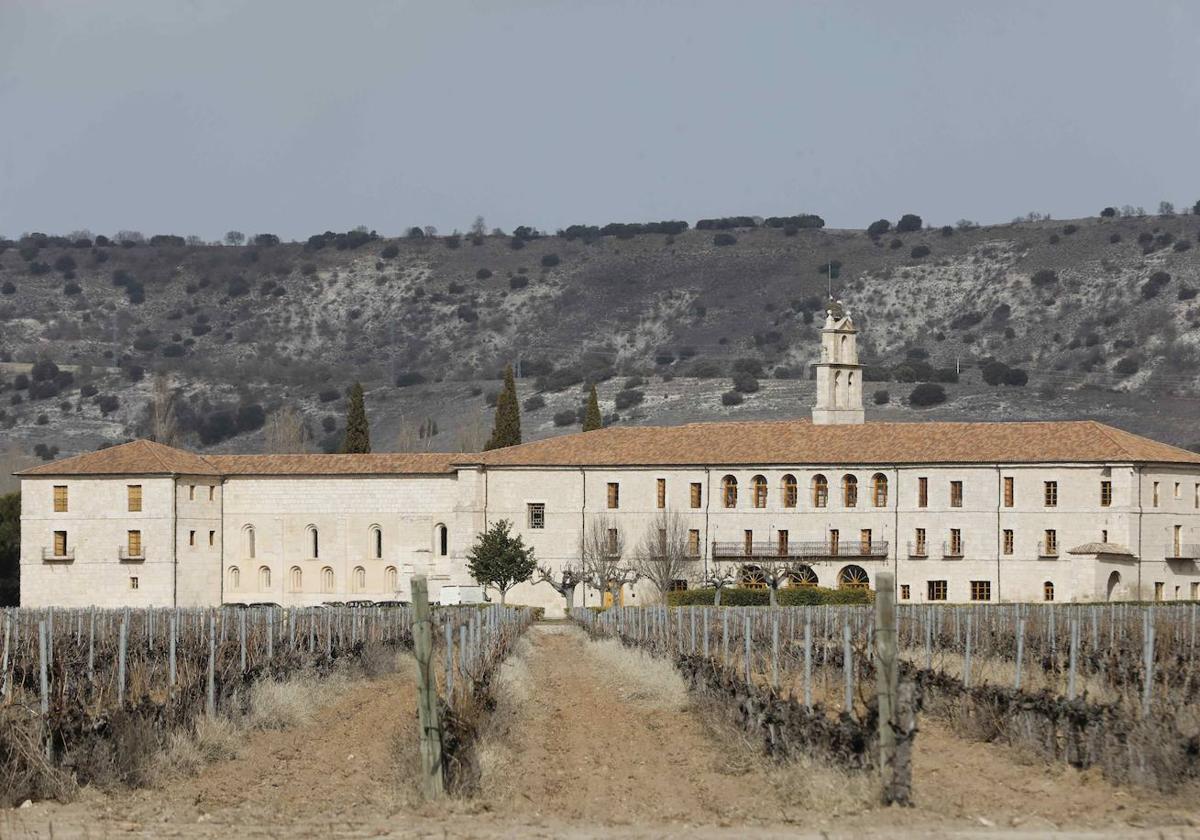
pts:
pixel 427 700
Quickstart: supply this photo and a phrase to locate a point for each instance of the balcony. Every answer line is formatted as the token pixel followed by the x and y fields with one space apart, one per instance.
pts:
pixel 951 551
pixel 917 551
pixel 49 556
pixel 127 556
pixel 1047 551
pixel 1184 551
pixel 799 550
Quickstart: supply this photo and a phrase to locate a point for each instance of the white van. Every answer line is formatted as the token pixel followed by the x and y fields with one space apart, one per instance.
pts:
pixel 460 594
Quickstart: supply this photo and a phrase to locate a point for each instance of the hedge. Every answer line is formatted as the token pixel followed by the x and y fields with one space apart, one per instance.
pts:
pixel 792 596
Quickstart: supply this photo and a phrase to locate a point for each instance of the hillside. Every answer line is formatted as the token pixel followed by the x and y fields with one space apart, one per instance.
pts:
pixel 1100 313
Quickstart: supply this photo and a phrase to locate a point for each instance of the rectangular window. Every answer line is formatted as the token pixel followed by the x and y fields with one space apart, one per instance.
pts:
pixel 614 541
pixel 935 590
pixel 1105 494
pixel 1008 541
pixel 614 495
pixel 922 492
pixel 1196 496
pixel 1050 544
pixel 1177 540
pixel 192 539
pixel 133 583
pixel 956 547
pixel 981 590
pixel 1158 590
pixel 919 542
pixel 212 492
pixel 783 543
pixel 1155 498
pixel 191 492
pixel 834 541
pixel 1009 491
pixel 134 493
pixel 662 542
pixel 864 541
pixel 1048 591
pixel 1195 591
pixel 60 543
pixel 212 538
pixel 677 585
pixel 747 542
pixel 60 498
pixel 696 494
pixel 1178 490
pixel 536 512
pixel 661 493
pixel 133 543
pixel 905 592
pixel 1104 535
pixel 1050 494
pixel 694 542
pixel 955 494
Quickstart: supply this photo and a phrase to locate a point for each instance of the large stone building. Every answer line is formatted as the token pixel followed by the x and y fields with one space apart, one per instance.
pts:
pixel 960 511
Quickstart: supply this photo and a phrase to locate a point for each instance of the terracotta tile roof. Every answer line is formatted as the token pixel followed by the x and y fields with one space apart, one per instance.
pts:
pixel 801 442
pixel 375 463
pixel 139 457
pixel 1100 548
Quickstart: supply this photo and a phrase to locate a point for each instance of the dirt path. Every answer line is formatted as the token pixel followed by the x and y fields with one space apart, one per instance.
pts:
pixel 591 739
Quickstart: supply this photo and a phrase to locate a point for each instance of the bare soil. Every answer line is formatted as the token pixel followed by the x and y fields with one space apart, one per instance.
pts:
pixel 594 741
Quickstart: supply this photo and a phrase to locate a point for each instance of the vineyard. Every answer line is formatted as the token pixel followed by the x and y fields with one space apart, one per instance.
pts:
pixel 89 696
pixel 1111 687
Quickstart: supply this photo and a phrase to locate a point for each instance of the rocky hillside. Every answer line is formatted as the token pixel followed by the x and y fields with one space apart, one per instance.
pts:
pixel 1098 317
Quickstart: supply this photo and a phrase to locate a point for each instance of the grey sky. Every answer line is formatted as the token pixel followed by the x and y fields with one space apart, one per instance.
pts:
pixel 296 117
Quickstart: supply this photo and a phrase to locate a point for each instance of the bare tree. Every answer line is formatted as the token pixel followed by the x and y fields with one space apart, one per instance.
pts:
pixel 719 576
pixel 164 428
pixel 1166 208
pixel 771 571
pixel 286 431
pixel 478 229
pixel 473 434
pixel 235 237
pixel 664 555
pixel 603 555
pixel 564 581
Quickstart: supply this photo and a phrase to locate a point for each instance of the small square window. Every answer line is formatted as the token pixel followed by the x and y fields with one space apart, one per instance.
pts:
pixel 537 515
pixel 981 590
pixel 935 590
pixel 905 592
pixel 133 583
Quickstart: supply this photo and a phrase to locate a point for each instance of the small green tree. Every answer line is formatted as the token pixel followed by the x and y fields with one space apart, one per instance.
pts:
pixel 358 432
pixel 507 428
pixel 500 560
pixel 591 418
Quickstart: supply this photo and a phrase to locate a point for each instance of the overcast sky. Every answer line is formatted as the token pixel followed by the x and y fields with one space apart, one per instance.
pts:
pixel 168 116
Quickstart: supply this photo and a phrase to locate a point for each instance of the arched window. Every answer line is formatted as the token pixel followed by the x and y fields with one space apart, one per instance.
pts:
pixel 760 491
pixel 313 540
pixel 296 579
pixel 729 491
pixel 802 576
pixel 235 577
pixel 791 492
pixel 326 579
pixel 751 577
pixel 820 490
pixel 376 542
pixel 443 540
pixel 1048 591
pixel 1114 583
pixel 849 491
pixel 879 490
pixel 360 579
pixel 264 578
pixel 249 547
pixel 837 389
pixel 391 580
pixel 853 577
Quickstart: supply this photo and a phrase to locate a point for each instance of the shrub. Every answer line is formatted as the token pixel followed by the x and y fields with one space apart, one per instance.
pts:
pixel 8 288
pixel 908 223
pixel 919 252
pixel 37 268
pixel 44 371
pixel 1186 293
pixel 390 251
pixel 408 378
pixel 947 230
pixel 881 397
pixel 1016 377
pixel 250 418
pixel 107 403
pixel 1114 238
pixel 994 372
pixel 483 274
pixel 329 395
pixel 71 289
pixel 744 382
pixel 1155 284
pixel 135 373
pixel 43 390
pixel 748 364
pixel 467 313
pixel 789 596
pixel 1127 366
pixel 550 260
pixel 237 286
pixel 87 391
pixel 534 403
pixel 831 269
pixel 65 263
pixel 145 343
pixel 731 398
pixel 1001 313
pixel 628 398
pixel 519 281
pixel 1070 229
pixel 266 240
pixel 174 351
pixel 1108 212
pixel 1044 278
pixel 722 239
pixel 878 228
pixel 896 244
pixel 564 418
pixel 927 394
pixel 1182 245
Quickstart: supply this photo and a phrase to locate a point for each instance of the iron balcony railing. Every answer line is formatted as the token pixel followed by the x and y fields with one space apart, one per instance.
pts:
pixel 800 549
pixel 127 556
pixel 51 555
pixel 918 550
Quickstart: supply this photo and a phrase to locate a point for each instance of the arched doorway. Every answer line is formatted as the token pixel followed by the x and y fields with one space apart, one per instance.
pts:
pixel 1114 583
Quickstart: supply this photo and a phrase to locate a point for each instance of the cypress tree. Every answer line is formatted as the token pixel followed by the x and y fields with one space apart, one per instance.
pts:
pixel 358 432
pixel 507 430
pixel 592 419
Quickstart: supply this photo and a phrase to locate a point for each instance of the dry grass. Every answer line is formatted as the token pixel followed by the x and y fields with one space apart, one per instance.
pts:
pixel 640 677
pixel 512 691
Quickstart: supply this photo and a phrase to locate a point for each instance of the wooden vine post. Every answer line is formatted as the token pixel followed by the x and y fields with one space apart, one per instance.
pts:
pixel 427 698
pixel 895 769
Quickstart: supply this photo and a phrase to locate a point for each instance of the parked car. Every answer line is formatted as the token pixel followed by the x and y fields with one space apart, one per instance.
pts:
pixel 392 604
pixel 360 603
pixel 270 604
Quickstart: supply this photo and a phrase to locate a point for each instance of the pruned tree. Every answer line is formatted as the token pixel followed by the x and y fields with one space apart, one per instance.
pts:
pixel 663 555
pixel 500 560
pixel 563 581
pixel 164 427
pixel 286 432
pixel 719 576
pixel 773 572
pixel 603 554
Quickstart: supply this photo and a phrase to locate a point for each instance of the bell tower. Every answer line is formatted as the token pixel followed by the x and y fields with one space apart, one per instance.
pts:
pixel 839 375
